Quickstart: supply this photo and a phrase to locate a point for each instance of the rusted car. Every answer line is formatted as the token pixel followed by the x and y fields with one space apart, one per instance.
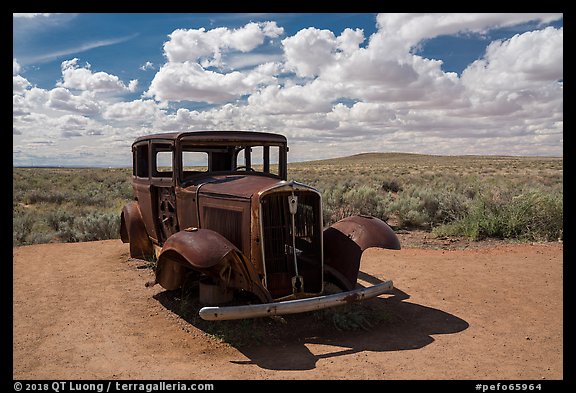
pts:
pixel 216 206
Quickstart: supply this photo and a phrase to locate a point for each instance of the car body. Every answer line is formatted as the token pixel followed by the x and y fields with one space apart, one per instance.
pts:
pixel 217 206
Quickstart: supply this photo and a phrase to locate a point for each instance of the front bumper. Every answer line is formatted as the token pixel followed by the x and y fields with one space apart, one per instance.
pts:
pixel 294 306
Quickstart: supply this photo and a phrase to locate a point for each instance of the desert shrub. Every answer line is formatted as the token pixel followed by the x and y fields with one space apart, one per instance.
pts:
pixel 391 186
pixel 479 197
pixel 366 200
pixel 426 207
pixel 93 197
pixel 22 224
pixel 40 238
pixel 346 199
pixel 98 226
pixel 408 209
pixel 60 224
pixel 481 222
pixel 533 216
pixel 44 195
pixel 59 220
pixel 68 204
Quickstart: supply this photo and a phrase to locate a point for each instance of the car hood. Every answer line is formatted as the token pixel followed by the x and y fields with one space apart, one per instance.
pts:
pixel 240 186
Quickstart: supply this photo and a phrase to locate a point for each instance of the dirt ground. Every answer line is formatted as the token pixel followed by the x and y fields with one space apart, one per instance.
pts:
pixel 459 310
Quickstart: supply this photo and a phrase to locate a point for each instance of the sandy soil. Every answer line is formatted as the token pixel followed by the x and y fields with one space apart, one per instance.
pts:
pixel 458 311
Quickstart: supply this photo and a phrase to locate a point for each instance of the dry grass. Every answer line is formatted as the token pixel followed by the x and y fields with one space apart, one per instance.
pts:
pixel 475 196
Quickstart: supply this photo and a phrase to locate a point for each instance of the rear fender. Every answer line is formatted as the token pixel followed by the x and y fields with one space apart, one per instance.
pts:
pixel 133 231
pixel 209 253
pixel 346 240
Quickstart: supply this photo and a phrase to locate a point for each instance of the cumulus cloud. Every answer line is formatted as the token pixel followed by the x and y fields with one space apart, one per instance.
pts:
pixel 19 84
pixel 331 94
pixel 62 99
pixel 292 98
pixel 139 111
pixel 82 78
pixel 15 67
pixel 311 50
pixel 348 85
pixel 524 61
pixel 197 44
pixel 195 71
pixel 407 30
pixel 189 81
pixel 147 66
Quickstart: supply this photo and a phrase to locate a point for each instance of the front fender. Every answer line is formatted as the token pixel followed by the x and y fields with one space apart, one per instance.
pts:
pixel 346 240
pixel 209 253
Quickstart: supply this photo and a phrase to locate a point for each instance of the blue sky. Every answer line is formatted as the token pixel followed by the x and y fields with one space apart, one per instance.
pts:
pixel 86 85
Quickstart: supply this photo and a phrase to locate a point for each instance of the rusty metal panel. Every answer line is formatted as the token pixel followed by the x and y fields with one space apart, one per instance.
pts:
pixel 209 253
pixel 346 240
pixel 186 211
pixel 143 195
pixel 230 218
pixel 133 231
pixel 238 185
pixel 165 208
pixel 228 137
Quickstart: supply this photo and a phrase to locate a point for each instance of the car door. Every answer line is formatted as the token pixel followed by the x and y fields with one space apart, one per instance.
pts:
pixel 162 191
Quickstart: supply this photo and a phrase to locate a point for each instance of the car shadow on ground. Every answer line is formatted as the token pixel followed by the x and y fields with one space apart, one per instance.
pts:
pixel 299 341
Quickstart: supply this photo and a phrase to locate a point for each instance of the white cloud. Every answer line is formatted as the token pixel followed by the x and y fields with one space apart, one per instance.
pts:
pixel 350 40
pixel 524 61
pixel 74 77
pixel 391 90
pixel 139 111
pixel 309 50
pixel 196 44
pixel 28 102
pixel 74 50
pixel 407 30
pixel 147 66
pixel 332 95
pixel 189 74
pixel 367 73
pixel 362 112
pixel 15 67
pixel 250 60
pixel 292 98
pixel 19 84
pixel 31 15
pixel 189 81
pixel 71 125
pixel 62 99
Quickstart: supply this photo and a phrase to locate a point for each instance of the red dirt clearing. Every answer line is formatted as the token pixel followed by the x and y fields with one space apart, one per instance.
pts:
pixel 81 311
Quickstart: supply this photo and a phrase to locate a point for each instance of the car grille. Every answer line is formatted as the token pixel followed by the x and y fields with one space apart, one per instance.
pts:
pixel 277 241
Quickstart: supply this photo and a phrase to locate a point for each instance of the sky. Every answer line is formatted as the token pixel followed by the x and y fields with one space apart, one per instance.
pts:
pixel 85 86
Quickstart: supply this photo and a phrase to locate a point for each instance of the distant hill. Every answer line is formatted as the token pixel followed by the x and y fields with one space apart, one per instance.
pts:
pixel 394 157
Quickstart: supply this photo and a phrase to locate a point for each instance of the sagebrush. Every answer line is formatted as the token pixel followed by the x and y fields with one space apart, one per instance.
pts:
pixel 474 196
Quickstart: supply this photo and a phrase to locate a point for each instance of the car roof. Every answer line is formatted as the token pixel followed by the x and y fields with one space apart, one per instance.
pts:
pixel 217 136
